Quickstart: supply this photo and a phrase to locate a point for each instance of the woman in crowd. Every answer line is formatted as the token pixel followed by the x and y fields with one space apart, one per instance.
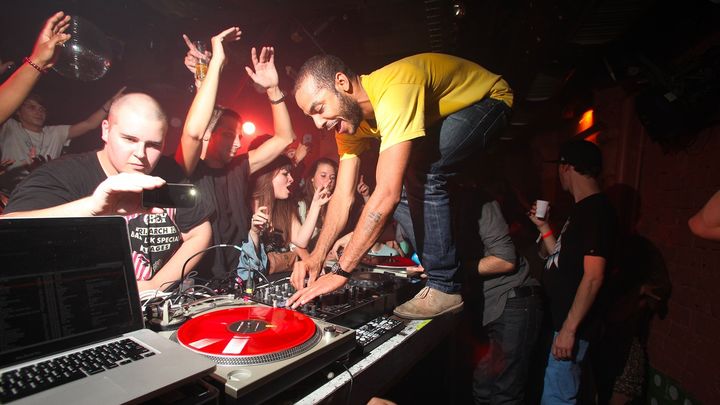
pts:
pixel 275 222
pixel 323 173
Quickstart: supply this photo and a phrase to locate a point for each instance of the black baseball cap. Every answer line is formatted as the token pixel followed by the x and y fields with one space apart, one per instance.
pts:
pixel 583 155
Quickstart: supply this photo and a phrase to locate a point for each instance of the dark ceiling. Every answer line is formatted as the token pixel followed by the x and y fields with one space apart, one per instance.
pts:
pixel 551 52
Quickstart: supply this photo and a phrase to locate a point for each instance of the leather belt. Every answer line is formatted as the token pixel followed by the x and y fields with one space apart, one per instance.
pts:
pixel 525 291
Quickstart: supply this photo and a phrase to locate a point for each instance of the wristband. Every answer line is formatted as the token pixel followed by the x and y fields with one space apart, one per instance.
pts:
pixel 38 68
pixel 280 100
pixel 546 234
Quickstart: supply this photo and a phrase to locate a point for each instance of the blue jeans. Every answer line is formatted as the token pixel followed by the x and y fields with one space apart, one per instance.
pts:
pixel 501 373
pixel 562 377
pixel 426 205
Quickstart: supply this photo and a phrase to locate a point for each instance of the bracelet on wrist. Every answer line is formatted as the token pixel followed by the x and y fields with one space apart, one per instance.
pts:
pixel 547 234
pixel 38 68
pixel 278 101
pixel 336 269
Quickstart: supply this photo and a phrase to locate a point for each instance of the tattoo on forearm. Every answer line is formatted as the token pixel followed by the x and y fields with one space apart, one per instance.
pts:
pixel 374 220
pixel 375 216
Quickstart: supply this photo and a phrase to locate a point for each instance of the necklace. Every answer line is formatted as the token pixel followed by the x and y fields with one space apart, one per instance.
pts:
pixel 33 150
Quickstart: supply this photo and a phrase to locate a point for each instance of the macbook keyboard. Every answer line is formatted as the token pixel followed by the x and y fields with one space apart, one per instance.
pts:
pixel 19 383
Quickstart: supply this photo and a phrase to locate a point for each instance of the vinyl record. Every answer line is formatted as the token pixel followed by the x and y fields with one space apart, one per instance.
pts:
pixel 395 262
pixel 249 335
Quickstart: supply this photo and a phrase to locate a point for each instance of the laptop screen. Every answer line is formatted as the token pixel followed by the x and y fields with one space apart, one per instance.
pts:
pixel 64 283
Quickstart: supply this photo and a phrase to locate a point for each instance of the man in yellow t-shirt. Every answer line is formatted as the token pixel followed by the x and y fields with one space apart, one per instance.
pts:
pixel 432 113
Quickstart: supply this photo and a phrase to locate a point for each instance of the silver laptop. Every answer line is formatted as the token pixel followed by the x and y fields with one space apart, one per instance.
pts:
pixel 71 325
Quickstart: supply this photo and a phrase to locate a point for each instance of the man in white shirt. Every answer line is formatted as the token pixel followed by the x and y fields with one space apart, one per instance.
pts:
pixel 26 141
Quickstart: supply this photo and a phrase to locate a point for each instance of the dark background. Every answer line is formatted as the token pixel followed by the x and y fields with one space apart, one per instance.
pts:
pixel 553 53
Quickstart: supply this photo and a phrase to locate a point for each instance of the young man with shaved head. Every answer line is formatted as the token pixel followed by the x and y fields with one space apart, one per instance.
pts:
pixel 110 182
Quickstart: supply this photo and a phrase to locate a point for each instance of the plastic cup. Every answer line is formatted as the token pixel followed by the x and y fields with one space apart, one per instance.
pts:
pixel 541 207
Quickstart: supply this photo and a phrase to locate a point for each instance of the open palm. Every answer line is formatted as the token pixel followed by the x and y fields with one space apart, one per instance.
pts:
pixel 263 73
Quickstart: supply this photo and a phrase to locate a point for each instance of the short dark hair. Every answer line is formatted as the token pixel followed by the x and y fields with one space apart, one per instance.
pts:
pixel 322 68
pixel 222 112
pixel 35 97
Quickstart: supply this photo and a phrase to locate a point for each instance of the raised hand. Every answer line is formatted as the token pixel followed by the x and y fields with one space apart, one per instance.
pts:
pixel 322 195
pixel 260 220
pixel 231 34
pixel 537 221
pixel 52 35
pixel 363 189
pixel 192 56
pixel 300 152
pixel 263 73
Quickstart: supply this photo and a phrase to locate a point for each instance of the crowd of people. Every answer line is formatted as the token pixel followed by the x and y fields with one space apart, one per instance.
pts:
pixel 434 116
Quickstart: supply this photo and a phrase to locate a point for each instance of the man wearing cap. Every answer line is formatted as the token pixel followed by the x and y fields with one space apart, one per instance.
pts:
pixel 575 268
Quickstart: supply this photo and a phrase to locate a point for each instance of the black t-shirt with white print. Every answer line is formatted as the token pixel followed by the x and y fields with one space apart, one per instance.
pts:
pixel 154 237
pixel 589 231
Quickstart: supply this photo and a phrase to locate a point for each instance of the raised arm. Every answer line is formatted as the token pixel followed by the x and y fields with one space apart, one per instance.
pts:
pixel 546 234
pixel 16 88
pixel 94 120
pixel 201 110
pixel 265 76
pixel 302 233
pixel 389 172
pixel 335 220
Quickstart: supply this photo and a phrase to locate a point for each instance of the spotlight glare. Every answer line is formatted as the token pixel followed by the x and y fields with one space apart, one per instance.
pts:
pixel 248 128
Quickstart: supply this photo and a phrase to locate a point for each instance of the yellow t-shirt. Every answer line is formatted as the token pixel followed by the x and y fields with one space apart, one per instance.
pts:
pixel 417 91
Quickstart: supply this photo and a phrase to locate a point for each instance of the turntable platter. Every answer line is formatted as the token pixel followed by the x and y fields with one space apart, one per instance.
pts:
pixel 249 335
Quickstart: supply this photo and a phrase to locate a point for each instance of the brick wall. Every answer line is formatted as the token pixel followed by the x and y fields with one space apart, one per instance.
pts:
pixel 686 345
pixel 672 186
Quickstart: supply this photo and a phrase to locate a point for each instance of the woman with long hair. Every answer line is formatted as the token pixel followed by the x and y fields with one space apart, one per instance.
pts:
pixel 275 223
pixel 322 174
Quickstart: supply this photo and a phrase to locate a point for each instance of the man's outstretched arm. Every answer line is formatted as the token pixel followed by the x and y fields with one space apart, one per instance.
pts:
pixel 117 195
pixel 389 173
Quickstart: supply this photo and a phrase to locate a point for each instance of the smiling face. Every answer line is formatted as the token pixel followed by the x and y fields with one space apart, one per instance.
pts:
pixel 281 183
pixel 324 176
pixel 224 141
pixel 331 109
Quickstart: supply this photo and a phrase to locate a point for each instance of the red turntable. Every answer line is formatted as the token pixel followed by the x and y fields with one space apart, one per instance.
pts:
pixel 249 335
pixel 254 345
